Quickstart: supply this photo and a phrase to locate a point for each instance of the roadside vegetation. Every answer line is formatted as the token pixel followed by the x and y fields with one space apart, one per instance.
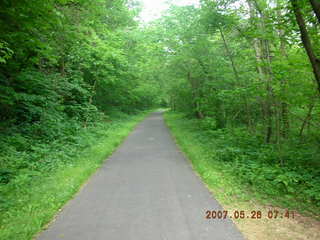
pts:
pixel 241 183
pixel 243 88
pixel 236 169
pixel 72 86
pixel 241 77
pixel 56 172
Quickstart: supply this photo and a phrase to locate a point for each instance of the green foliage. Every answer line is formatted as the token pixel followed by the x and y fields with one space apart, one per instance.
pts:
pixel 69 71
pixel 5 52
pixel 67 57
pixel 40 177
pixel 238 73
pixel 64 66
pixel 252 168
pixel 235 69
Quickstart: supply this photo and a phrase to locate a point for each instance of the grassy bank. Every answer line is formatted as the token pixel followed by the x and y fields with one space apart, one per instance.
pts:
pixel 226 176
pixel 34 195
pixel 214 174
pixel 231 158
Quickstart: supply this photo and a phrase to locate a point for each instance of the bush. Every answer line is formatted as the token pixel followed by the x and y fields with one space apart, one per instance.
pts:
pixel 257 165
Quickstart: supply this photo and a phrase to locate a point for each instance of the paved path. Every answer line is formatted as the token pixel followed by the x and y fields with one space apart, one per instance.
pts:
pixel 146 191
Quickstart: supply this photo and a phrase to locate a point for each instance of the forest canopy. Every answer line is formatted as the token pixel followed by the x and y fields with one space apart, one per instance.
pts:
pixel 248 72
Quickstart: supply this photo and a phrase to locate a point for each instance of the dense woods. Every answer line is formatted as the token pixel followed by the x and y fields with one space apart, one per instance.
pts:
pixel 246 73
pixel 71 74
pixel 63 64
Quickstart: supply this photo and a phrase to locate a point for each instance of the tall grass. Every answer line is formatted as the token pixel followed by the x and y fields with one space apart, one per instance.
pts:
pixel 239 169
pixel 32 198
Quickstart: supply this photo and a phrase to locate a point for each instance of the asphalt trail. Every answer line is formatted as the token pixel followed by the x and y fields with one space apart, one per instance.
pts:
pixel 146 190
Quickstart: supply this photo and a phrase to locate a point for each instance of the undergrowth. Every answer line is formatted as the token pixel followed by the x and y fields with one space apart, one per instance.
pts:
pixel 238 167
pixel 40 176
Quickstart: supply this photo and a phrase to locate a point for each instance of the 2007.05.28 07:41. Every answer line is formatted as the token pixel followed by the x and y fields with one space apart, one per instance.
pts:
pixel 241 214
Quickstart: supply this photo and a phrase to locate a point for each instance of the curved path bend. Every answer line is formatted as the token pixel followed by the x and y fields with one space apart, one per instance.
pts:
pixel 146 190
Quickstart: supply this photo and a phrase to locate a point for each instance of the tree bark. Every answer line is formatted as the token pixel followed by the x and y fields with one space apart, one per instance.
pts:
pixel 307 119
pixel 90 101
pixel 316 8
pixel 315 62
pixel 263 56
pixel 196 96
pixel 228 52
pixel 236 74
pixel 285 124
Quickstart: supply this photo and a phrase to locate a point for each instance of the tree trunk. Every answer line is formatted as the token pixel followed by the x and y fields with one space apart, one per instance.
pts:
pixel 307 119
pixel 316 8
pixel 195 96
pixel 285 124
pixel 235 71
pixel 90 101
pixel 262 50
pixel 219 115
pixel 315 62
pixel 269 89
pixel 236 74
